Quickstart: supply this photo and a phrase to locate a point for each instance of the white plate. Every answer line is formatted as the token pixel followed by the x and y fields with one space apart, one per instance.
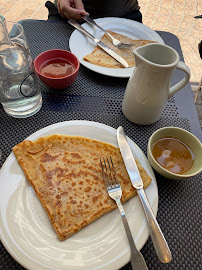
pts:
pixel 81 46
pixel 28 235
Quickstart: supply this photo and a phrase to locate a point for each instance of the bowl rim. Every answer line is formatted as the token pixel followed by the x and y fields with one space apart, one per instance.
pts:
pixel 161 167
pixel 61 78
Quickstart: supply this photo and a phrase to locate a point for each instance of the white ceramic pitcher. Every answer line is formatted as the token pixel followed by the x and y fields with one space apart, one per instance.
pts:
pixel 149 86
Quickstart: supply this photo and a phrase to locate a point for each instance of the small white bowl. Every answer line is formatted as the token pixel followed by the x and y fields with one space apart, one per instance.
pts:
pixel 189 139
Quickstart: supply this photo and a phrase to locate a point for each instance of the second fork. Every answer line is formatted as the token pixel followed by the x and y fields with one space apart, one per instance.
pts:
pixel 115 192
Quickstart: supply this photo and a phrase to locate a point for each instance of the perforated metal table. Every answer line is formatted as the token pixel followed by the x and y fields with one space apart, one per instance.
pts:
pixel 98 98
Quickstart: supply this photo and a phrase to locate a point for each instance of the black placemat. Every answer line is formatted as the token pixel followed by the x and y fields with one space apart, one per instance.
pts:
pixel 98 98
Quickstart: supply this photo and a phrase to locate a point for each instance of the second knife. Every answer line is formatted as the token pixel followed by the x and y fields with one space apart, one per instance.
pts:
pixel 99 43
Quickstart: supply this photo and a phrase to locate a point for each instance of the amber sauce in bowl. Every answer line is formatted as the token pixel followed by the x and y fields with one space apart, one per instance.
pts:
pixel 173 155
pixel 57 68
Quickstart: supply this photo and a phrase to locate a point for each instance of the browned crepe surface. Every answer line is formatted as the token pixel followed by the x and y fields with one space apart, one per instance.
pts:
pixel 101 58
pixel 66 175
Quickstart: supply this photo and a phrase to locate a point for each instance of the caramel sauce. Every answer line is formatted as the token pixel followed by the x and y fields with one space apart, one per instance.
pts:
pixel 173 155
pixel 57 68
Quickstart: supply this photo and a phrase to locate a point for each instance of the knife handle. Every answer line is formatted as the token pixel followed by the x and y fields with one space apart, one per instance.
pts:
pixel 91 21
pixel 81 29
pixel 159 242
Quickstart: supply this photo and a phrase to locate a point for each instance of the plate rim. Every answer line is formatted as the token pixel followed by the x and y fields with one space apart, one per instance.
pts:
pixel 36 134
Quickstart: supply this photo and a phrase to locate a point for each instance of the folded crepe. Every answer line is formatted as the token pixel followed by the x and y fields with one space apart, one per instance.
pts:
pixel 101 58
pixel 66 175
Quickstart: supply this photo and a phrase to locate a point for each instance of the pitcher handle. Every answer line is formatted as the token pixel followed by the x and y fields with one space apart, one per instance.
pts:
pixel 183 82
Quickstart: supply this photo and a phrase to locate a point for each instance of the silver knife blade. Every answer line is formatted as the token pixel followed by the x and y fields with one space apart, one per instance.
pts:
pixel 99 43
pixel 128 159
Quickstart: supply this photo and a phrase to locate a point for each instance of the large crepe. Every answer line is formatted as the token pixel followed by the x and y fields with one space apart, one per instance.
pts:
pixel 66 175
pixel 101 58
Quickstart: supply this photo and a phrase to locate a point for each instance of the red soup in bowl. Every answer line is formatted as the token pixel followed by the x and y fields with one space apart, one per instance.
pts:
pixel 57 69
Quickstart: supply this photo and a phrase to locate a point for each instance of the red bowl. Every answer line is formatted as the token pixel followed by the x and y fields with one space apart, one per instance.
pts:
pixel 57 83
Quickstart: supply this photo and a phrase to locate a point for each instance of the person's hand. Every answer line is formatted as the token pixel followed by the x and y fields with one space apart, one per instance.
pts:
pixel 71 9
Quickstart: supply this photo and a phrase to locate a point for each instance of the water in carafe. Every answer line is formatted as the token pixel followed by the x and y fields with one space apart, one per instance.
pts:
pixel 19 91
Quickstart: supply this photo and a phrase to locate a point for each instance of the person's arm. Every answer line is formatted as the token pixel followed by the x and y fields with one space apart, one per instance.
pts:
pixel 71 9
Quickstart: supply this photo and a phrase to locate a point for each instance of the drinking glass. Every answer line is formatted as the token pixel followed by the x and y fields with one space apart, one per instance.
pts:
pixel 20 94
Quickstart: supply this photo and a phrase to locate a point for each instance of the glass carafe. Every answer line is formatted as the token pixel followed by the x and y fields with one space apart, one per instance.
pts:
pixel 20 95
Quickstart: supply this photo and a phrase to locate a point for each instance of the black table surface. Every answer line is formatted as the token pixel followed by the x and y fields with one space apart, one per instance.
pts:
pixel 98 98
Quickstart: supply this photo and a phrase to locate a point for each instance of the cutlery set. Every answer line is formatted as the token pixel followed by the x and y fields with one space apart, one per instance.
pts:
pixel 116 42
pixel 114 191
pixel 100 43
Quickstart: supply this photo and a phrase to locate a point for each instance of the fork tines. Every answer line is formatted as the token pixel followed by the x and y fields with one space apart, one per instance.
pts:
pixel 109 173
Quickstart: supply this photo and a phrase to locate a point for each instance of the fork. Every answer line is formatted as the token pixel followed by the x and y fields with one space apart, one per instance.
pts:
pixel 118 44
pixel 115 192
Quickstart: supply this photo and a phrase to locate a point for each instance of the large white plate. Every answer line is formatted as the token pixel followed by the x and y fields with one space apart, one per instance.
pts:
pixel 81 46
pixel 27 233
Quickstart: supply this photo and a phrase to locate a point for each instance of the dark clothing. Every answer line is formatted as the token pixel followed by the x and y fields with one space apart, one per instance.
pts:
pixel 200 49
pixel 110 8
pixel 131 10
pixel 134 15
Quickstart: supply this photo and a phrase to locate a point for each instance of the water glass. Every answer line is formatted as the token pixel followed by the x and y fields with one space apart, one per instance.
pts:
pixel 20 94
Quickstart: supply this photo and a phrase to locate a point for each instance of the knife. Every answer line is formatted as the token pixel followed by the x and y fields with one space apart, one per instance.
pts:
pixel 99 43
pixel 159 242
